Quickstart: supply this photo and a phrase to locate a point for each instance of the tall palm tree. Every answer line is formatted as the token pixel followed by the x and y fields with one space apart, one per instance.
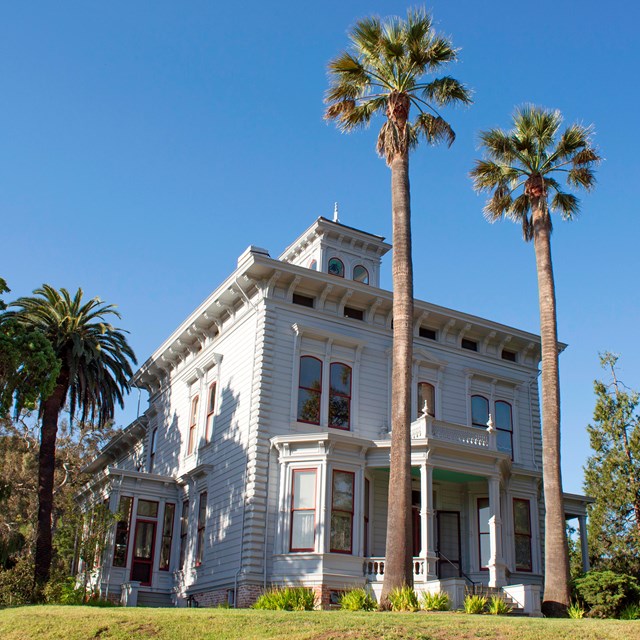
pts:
pixel 520 168
pixel 384 73
pixel 95 367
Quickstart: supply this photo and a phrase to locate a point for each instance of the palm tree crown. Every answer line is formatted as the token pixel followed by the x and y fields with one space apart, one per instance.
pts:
pixel 95 354
pixel 520 165
pixel 384 74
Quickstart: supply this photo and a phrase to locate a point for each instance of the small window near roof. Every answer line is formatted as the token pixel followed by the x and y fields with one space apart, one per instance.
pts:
pixel 313 265
pixel 354 314
pixel 336 268
pixel 360 274
pixel 509 355
pixel 303 301
pixel 423 332
pixel 472 345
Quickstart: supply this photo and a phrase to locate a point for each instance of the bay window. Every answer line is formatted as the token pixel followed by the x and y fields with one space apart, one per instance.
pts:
pixel 202 523
pixel 522 531
pixel 167 536
pixel 484 537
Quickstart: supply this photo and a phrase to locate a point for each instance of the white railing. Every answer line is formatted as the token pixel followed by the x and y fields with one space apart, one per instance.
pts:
pixel 427 427
pixel 374 569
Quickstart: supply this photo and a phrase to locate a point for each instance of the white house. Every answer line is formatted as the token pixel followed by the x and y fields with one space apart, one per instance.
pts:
pixel 263 457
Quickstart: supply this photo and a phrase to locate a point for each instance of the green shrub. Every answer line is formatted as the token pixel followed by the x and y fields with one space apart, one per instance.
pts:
pixel 287 599
pixel 475 604
pixel 357 600
pixel 403 599
pixel 575 611
pixel 16 584
pixel 435 601
pixel 607 593
pixel 631 612
pixel 498 607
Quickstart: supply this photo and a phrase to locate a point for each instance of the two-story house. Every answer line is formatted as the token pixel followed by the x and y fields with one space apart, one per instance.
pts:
pixel 263 457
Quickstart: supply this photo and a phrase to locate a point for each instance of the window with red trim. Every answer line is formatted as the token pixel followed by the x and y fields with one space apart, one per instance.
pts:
pixel 522 533
pixel 184 530
pixel 167 536
pixel 341 537
pixel 193 423
pixel 340 396
pixel 310 390
pixel 303 510
pixel 202 523
pixel 367 499
pixel 426 393
pixel 211 409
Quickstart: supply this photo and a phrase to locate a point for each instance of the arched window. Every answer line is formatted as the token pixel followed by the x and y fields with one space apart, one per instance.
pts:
pixel 479 411
pixel 504 427
pixel 360 274
pixel 313 265
pixel 426 393
pixel 211 409
pixel 340 396
pixel 193 423
pixel 310 390
pixel 336 267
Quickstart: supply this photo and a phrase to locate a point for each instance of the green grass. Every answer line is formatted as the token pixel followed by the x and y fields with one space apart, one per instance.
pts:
pixel 80 623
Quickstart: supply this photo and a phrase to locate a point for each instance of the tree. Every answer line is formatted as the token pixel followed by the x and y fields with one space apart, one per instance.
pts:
pixel 95 367
pixel 612 474
pixel 28 365
pixel 384 74
pixel 519 168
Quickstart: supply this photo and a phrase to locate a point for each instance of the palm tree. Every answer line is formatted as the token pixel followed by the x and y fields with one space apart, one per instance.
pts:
pixel 384 73
pixel 520 169
pixel 95 367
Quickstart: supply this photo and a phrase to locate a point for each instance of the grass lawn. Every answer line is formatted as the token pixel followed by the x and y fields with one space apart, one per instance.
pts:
pixel 78 623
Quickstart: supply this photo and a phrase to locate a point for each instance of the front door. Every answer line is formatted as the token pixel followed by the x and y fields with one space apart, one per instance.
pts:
pixel 143 548
pixel 448 544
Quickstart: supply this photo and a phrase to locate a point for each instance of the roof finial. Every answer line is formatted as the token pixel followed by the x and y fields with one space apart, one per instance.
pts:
pixel 335 212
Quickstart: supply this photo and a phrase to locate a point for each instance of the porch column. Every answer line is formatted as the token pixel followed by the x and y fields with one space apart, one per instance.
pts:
pixel 497 574
pixel 584 543
pixel 427 531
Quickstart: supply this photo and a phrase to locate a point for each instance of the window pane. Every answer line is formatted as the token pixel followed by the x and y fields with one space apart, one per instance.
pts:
pixel 339 412
pixel 122 532
pixel 426 392
pixel 194 410
pixel 302 530
pixel 336 267
pixel 212 398
pixel 202 512
pixel 483 515
pixel 304 489
pixel 503 416
pixel 522 521
pixel 148 508
pixel 144 540
pixel 360 274
pixel 310 373
pixel 309 406
pixel 479 410
pixel 504 441
pixel 523 553
pixel 343 491
pixel 485 550
pixel 340 379
pixel 341 531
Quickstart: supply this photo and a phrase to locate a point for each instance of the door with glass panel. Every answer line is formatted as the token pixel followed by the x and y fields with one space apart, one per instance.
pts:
pixel 144 542
pixel 448 544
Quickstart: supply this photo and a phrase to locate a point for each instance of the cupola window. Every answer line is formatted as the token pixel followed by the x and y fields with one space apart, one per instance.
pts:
pixel 336 267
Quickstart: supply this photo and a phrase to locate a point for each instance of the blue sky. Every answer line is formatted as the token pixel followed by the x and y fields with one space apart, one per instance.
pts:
pixel 144 145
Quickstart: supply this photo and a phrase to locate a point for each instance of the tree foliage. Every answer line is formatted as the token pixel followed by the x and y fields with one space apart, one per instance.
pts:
pixel 28 364
pixel 612 474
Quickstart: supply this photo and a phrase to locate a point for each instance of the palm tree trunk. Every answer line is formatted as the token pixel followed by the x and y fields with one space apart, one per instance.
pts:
pixel 399 552
pixel 46 470
pixel 556 559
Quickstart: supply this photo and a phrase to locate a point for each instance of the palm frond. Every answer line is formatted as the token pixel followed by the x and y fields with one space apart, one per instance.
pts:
pixel 567 204
pixel 581 176
pixel 434 129
pixel 586 156
pixel 498 204
pixel 366 36
pixel 498 145
pixel 447 90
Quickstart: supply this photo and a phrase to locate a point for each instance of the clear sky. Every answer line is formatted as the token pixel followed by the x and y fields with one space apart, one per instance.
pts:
pixel 144 145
